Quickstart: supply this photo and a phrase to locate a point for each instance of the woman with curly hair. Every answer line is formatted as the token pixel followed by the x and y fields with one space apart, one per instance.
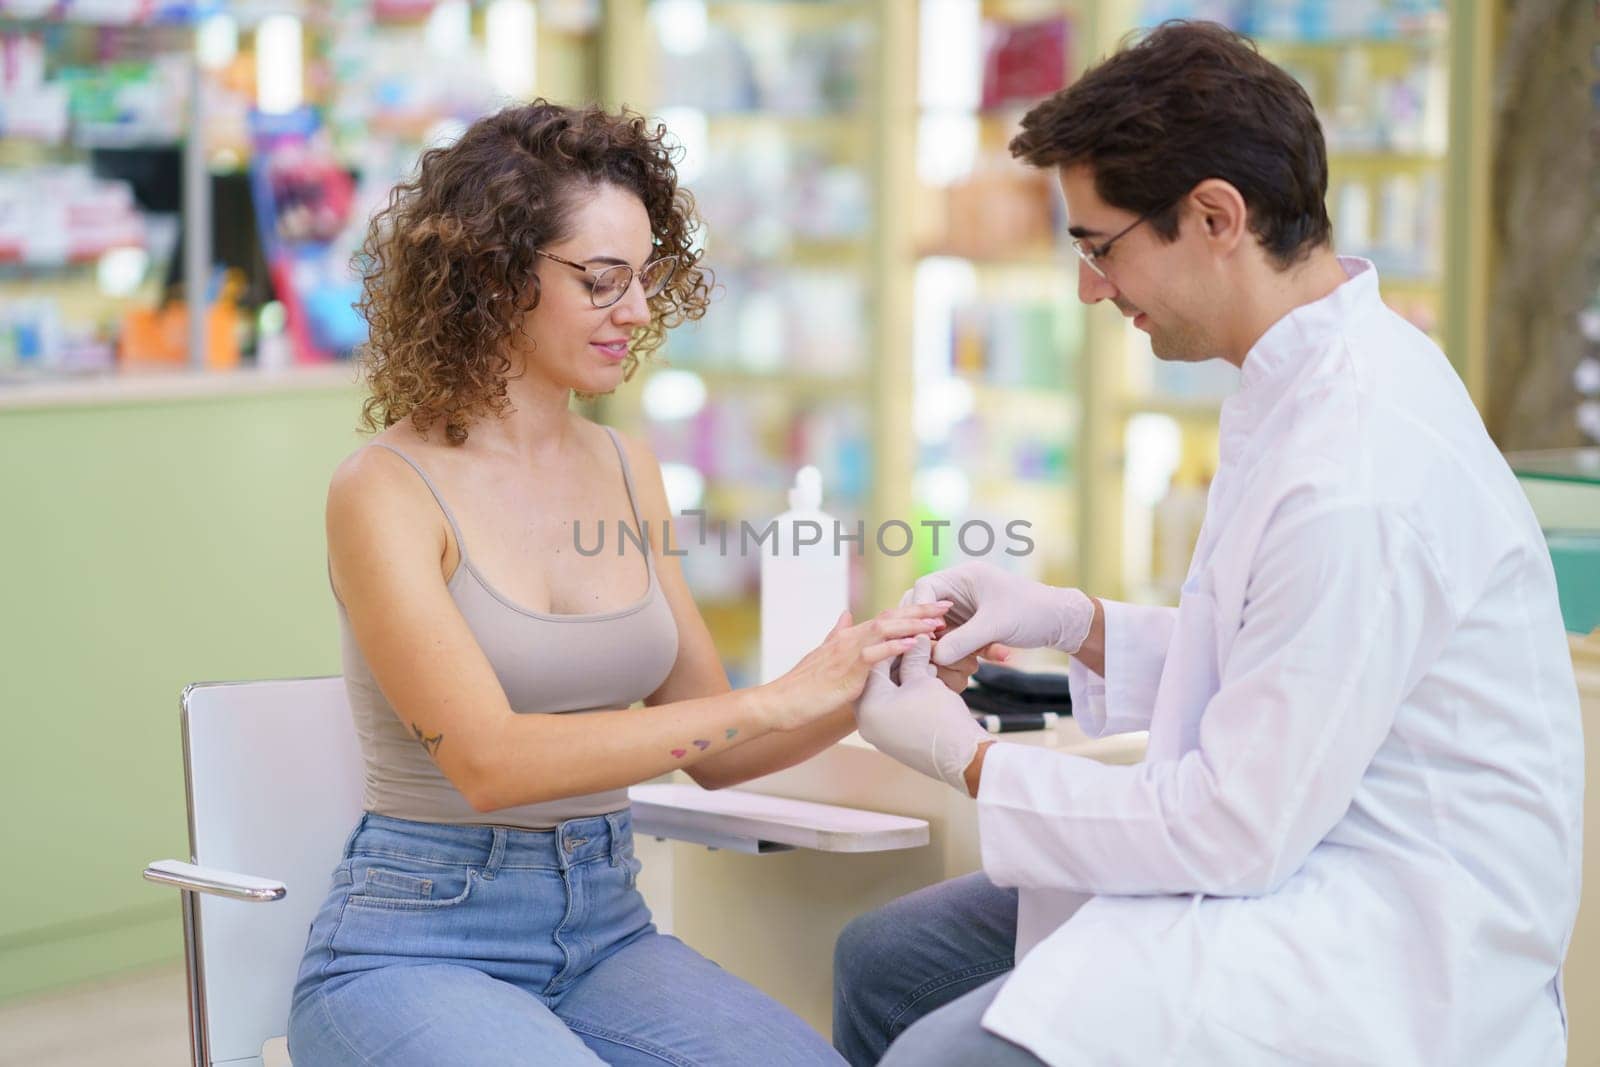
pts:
pixel 485 909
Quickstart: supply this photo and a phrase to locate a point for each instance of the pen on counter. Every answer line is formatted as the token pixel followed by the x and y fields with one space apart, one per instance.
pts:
pixel 1021 720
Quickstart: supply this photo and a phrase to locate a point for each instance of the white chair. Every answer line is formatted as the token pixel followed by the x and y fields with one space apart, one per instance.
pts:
pixel 274 782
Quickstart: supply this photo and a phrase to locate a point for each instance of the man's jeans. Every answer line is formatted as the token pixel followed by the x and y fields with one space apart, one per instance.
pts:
pixel 948 947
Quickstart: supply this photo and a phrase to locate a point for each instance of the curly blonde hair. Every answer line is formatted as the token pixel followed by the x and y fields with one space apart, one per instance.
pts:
pixel 448 263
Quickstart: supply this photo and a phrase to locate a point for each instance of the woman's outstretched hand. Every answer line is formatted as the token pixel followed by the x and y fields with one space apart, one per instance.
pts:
pixel 835 672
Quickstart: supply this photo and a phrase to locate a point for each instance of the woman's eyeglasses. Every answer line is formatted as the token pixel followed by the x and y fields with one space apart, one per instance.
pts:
pixel 607 286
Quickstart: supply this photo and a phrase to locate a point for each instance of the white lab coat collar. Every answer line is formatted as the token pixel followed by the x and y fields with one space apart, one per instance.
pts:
pixel 1273 363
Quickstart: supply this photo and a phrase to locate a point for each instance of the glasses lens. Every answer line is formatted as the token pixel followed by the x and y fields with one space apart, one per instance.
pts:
pixel 610 284
pixel 657 273
pixel 1088 257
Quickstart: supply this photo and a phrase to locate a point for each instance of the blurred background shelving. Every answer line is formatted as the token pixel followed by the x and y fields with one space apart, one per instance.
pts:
pixel 998 336
pixel 278 125
pixel 92 126
pixel 775 106
pixel 895 299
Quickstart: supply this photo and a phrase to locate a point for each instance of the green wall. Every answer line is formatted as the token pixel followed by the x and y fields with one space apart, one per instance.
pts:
pixel 146 546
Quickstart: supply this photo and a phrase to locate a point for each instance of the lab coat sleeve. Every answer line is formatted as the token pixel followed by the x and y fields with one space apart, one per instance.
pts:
pixel 1344 610
pixel 1136 647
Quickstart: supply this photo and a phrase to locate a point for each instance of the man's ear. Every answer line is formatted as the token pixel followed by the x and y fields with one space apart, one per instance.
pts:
pixel 1221 211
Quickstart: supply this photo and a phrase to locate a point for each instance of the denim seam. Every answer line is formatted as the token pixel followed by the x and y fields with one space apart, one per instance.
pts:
pixel 436 862
pixel 333 934
pixel 432 861
pixel 400 881
pixel 638 1045
pixel 861 1026
pixel 977 970
pixel 327 1014
pixel 367 900
pixel 555 935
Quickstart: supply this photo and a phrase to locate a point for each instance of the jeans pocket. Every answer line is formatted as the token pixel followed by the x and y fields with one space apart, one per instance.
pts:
pixel 386 887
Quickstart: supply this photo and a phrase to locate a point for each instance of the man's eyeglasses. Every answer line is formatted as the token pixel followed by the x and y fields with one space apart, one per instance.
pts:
pixel 607 286
pixel 1092 254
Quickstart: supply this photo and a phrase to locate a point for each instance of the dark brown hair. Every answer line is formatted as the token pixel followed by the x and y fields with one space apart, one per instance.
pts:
pixel 448 267
pixel 1191 101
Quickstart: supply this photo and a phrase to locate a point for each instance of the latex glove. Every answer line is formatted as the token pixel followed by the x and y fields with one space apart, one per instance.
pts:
pixel 958 674
pixel 995 605
pixel 919 721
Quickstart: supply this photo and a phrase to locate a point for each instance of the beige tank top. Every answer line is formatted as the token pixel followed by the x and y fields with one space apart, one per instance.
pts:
pixel 545 663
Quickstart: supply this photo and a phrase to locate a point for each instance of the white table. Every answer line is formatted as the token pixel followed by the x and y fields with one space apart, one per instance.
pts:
pixel 758 823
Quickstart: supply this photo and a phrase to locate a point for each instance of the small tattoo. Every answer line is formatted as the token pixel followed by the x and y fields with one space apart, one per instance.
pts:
pixel 729 735
pixel 680 752
pixel 702 745
pixel 429 743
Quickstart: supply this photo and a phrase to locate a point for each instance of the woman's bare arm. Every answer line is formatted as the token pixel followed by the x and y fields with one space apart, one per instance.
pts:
pixel 698 672
pixel 386 541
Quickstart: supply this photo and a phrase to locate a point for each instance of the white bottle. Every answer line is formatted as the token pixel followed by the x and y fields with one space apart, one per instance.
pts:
pixel 1176 528
pixel 805 582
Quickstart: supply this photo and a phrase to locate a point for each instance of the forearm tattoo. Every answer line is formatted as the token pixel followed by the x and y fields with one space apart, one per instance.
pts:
pixel 428 742
pixel 702 744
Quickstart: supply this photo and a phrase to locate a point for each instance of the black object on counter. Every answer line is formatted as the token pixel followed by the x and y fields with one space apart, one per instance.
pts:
pixel 1012 723
pixel 1006 699
pixel 1034 687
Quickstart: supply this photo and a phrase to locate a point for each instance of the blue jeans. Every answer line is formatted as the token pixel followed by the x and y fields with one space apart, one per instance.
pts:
pixel 471 945
pixel 919 972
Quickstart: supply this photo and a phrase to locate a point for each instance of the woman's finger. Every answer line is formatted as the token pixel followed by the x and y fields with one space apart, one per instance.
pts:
pixel 883 650
pixel 936 610
pixel 882 629
pixel 964 666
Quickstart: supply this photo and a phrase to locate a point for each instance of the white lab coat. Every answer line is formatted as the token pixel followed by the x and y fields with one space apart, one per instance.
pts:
pixel 1355 837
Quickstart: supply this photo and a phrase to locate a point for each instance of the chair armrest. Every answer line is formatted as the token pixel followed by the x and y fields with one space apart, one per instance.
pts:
pixel 197 879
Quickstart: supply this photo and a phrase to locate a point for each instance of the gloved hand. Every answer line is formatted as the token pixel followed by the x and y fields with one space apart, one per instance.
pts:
pixel 919 722
pixel 995 605
pixel 958 674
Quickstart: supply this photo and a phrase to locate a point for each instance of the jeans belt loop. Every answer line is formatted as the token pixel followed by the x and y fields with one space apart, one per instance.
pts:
pixel 497 851
pixel 615 821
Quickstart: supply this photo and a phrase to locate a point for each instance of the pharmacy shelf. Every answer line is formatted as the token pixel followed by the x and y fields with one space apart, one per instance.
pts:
pixel 1376 159
pixel 843 126
pixel 1197 409
pixel 24 393
pixel 721 376
pixel 1095 403
pixel 780 139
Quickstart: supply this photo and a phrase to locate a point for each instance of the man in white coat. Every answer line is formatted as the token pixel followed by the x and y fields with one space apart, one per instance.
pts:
pixel 1355 836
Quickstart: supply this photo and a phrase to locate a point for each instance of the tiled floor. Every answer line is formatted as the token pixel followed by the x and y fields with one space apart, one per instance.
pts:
pixel 136 1020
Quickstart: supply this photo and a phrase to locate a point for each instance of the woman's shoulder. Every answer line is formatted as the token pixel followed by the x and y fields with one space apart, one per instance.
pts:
pixel 377 481
pixel 641 459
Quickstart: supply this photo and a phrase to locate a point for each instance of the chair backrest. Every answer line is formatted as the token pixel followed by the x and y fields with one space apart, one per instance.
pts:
pixel 274 782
